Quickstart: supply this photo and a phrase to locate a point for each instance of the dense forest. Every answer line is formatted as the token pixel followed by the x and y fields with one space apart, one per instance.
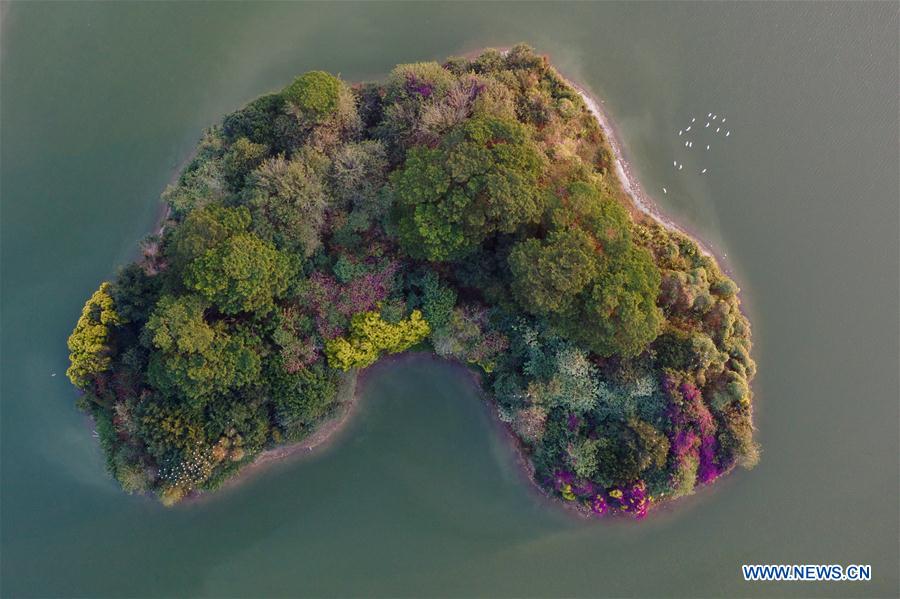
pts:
pixel 470 208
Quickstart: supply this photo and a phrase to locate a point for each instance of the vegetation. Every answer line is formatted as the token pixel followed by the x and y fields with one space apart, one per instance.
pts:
pixel 469 207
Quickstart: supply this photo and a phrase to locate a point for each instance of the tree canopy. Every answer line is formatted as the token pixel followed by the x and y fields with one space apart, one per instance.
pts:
pixel 483 179
pixel 469 208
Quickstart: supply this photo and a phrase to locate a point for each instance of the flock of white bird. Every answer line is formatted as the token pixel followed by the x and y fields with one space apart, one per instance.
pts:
pixel 712 120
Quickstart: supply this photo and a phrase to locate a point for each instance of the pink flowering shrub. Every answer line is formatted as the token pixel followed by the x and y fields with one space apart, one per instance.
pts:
pixel 331 304
pixel 693 438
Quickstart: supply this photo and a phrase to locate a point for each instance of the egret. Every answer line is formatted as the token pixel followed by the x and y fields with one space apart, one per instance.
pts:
pixel 707 124
pixel 664 191
pixel 717 129
pixel 727 133
pixel 680 166
pixel 680 132
pixel 689 128
pixel 693 119
pixel 674 163
pixel 714 116
pixel 703 171
pixel 724 119
pixel 707 147
pixel 709 115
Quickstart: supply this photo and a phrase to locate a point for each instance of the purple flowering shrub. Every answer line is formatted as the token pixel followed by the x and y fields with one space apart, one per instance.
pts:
pixel 331 303
pixel 629 499
pixel 693 440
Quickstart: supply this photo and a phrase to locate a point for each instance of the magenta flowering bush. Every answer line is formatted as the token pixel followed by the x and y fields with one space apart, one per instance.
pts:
pixel 630 499
pixel 693 436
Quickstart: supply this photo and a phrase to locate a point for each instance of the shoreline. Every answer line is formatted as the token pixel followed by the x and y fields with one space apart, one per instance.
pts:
pixel 322 436
pixel 627 180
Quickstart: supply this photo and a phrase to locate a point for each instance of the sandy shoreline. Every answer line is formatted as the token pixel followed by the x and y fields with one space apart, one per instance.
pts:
pixel 630 185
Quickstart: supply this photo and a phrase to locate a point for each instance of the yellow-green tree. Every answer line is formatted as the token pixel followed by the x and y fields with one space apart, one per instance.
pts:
pixel 370 335
pixel 89 343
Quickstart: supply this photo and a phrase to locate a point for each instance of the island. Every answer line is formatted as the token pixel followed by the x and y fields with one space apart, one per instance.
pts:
pixel 477 209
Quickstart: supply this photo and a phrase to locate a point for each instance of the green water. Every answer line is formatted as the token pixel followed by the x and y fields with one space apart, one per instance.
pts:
pixel 101 101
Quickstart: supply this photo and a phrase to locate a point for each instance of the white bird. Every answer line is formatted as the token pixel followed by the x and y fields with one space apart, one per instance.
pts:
pixel 674 163
pixel 709 115
pixel 717 129
pixel 680 131
pixel 727 133
pixel 53 374
pixel 707 124
pixel 724 119
pixel 690 144
pixel 686 144
pixel 703 171
pixel 707 147
pixel 714 116
pixel 664 190
pixel 688 129
pixel 693 119
pixel 680 166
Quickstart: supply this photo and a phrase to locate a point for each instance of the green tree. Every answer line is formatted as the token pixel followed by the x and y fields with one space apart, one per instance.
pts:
pixel 653 445
pixel 256 121
pixel 241 158
pixel 288 199
pixel 195 359
pixel 482 180
pixel 301 398
pixel 618 315
pixel 243 274
pixel 89 343
pixel 202 230
pixel 314 95
pixel 358 173
pixel 438 301
pixel 547 276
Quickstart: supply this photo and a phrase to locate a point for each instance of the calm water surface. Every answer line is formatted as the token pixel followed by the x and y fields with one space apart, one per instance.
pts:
pixel 101 102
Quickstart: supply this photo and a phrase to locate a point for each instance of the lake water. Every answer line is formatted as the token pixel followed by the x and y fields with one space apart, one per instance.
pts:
pixel 100 103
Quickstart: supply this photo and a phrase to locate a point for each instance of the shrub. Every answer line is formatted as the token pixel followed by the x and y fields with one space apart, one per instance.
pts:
pixel 370 335
pixel 89 343
pixel 314 95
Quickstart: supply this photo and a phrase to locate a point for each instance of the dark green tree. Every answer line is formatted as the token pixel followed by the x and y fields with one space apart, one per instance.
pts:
pixel 548 275
pixel 482 180
pixel 243 274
